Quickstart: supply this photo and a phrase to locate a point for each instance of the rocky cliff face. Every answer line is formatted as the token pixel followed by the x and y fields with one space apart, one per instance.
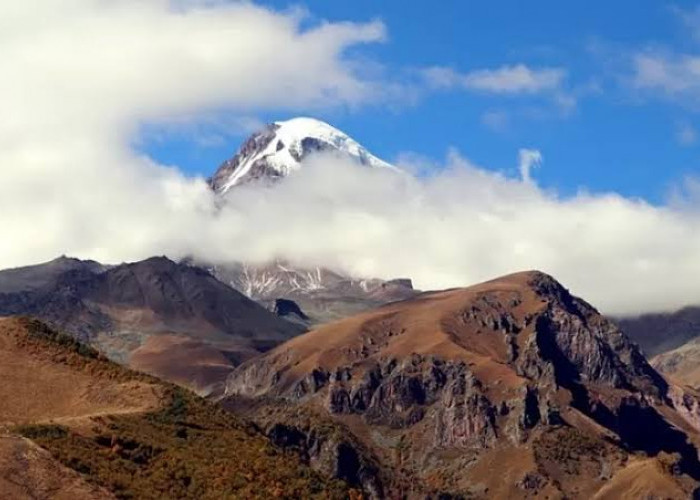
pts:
pixel 334 453
pixel 478 370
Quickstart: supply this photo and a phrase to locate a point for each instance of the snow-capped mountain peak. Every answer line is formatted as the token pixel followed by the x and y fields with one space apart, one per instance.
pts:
pixel 279 149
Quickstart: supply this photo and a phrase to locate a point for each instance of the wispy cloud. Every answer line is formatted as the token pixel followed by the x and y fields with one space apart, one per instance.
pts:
pixel 670 74
pixel 663 71
pixel 497 120
pixel 516 79
pixel 686 134
pixel 690 19
pixel 205 130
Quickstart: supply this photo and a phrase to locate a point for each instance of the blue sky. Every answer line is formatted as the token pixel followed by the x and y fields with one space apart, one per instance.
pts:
pixel 608 135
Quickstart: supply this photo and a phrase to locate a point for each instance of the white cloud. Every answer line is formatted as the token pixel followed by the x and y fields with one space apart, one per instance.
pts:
pixel 665 72
pixel 516 79
pixel 466 224
pixel 528 159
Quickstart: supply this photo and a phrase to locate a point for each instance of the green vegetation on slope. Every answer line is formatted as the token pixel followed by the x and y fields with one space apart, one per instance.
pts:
pixel 191 449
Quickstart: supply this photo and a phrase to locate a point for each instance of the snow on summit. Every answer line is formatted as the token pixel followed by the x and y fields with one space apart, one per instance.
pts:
pixel 280 147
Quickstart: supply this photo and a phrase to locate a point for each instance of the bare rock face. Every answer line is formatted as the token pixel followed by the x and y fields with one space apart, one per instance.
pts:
pixel 566 344
pixel 398 395
pixel 247 153
pixel 585 347
pixel 465 416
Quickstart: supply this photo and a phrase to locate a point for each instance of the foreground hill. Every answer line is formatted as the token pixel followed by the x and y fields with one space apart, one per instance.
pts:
pixel 173 320
pixel 511 388
pixel 74 425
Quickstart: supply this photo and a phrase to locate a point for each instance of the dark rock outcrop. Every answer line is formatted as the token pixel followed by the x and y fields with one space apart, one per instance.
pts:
pixel 287 307
pixel 332 454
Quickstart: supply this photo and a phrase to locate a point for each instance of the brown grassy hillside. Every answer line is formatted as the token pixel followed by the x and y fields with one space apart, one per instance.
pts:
pixel 126 432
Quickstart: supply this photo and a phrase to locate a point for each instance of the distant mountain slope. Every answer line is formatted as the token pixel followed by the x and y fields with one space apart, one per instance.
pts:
pixel 279 148
pixel 118 308
pixel 125 432
pixel 661 332
pixel 322 294
pixel 48 275
pixel 682 363
pixel 512 388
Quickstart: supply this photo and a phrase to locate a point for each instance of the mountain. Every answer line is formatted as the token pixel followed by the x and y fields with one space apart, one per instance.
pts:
pixel 321 294
pixel 148 314
pixel 672 340
pixel 76 426
pixel 660 332
pixel 279 148
pixel 681 363
pixel 43 276
pixel 512 388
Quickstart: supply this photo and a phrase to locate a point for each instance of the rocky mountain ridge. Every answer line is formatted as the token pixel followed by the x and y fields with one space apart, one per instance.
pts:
pixel 504 365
